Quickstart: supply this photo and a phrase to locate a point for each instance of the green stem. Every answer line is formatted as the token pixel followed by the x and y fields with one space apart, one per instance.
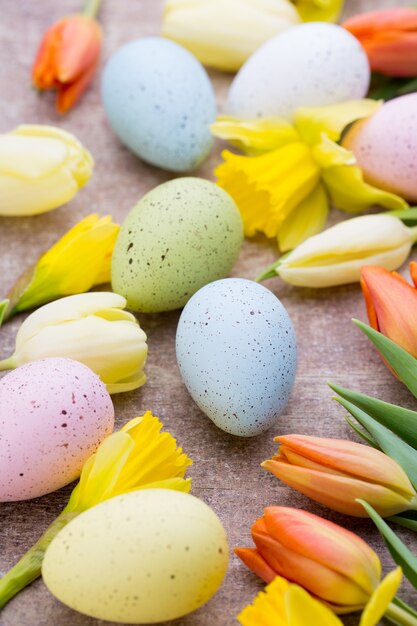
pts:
pixel 4 305
pixel 29 567
pixel 400 615
pixel 91 8
pixel 8 364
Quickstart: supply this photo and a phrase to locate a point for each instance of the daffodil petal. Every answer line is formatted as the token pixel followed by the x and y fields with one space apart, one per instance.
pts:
pixel 311 122
pixel 327 154
pixel 267 188
pixel 319 10
pixel 381 598
pixel 306 220
pixel 349 192
pixel 303 610
pixel 268 608
pixel 255 136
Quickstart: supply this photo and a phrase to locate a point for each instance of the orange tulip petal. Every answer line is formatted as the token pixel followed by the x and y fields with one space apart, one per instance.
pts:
pixel 68 95
pixel 44 67
pixel 79 48
pixel 413 272
pixel 395 304
pixel 252 558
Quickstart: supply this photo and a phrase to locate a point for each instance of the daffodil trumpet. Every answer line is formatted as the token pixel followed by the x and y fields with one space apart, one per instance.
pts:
pixel 77 262
pixel 284 603
pixel 139 456
pixel 293 170
pixel 337 255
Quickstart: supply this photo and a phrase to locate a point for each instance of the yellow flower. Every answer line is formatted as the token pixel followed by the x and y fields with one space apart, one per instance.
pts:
pixel 137 457
pixel 319 10
pixel 284 187
pixel 224 33
pixel 92 328
pixel 77 262
pixel 41 168
pixel 286 604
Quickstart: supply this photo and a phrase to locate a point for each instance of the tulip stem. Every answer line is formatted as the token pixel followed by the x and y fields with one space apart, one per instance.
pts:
pixel 8 364
pixel 28 568
pixel 91 8
pixel 4 305
pixel 400 615
pixel 413 232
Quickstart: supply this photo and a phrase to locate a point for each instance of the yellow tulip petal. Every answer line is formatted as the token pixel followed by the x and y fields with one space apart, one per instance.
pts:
pixel 311 122
pixel 319 10
pixel 381 598
pixel 267 188
pixel 137 457
pixel 349 192
pixel 303 610
pixel 268 608
pixel 306 220
pixel 255 136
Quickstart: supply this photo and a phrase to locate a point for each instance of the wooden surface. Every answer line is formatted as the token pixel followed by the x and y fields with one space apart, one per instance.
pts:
pixel 226 470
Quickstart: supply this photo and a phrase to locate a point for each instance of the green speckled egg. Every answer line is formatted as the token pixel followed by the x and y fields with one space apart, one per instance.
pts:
pixel 180 236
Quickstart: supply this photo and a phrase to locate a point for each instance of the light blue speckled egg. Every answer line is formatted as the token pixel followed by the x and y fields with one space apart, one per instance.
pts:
pixel 160 103
pixel 236 351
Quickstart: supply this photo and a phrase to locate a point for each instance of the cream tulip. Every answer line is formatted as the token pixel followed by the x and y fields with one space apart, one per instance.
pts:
pixel 41 168
pixel 91 328
pixel 224 33
pixel 336 256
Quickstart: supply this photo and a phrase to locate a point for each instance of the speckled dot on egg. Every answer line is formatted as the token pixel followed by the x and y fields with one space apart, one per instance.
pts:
pixel 313 64
pixel 53 414
pixel 385 146
pixel 236 351
pixel 160 102
pixel 180 236
pixel 140 558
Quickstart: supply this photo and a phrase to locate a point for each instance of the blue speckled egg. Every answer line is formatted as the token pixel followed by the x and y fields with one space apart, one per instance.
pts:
pixel 236 350
pixel 160 103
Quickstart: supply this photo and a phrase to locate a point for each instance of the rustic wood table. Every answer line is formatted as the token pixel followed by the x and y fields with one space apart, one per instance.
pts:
pixel 226 471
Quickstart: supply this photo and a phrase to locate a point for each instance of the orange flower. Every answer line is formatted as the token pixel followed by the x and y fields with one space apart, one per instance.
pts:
pixel 67 58
pixel 335 472
pixel 391 303
pixel 332 563
pixel 389 38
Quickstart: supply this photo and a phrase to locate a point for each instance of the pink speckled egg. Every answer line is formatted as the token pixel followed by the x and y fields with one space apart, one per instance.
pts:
pixel 386 147
pixel 53 415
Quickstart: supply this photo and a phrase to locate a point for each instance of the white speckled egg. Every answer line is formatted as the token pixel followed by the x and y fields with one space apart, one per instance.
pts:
pixel 179 237
pixel 314 64
pixel 140 558
pixel 160 102
pixel 385 146
pixel 236 351
pixel 53 414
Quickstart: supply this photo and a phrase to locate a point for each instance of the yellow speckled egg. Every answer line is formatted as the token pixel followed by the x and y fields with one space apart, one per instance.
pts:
pixel 140 558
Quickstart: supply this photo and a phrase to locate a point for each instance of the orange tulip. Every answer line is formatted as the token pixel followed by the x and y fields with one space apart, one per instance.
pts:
pixel 67 58
pixel 391 303
pixel 335 472
pixel 332 563
pixel 389 38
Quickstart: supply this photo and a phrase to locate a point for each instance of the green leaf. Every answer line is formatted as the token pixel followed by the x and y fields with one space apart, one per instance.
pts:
pixel 399 551
pixel 401 361
pixel 388 442
pixel 408 216
pixel 406 607
pixel 4 305
pixel 402 422
pixel 365 436
pixel 407 522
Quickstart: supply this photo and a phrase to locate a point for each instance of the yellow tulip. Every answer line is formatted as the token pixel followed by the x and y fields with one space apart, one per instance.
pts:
pixel 77 262
pixel 224 33
pixel 137 457
pixel 283 188
pixel 286 604
pixel 41 168
pixel 336 256
pixel 91 328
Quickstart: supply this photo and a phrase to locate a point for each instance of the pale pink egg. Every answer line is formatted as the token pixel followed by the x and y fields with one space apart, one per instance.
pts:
pixel 385 147
pixel 53 415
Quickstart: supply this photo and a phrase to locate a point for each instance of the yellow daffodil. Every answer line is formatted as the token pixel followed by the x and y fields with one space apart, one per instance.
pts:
pixel 137 457
pixel 319 10
pixel 77 262
pixel 284 186
pixel 41 168
pixel 92 328
pixel 286 604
